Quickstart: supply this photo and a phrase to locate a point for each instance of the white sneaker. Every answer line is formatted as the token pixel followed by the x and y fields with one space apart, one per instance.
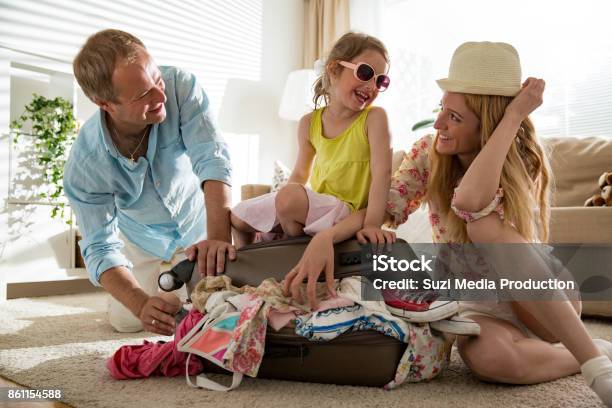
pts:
pixel 457 325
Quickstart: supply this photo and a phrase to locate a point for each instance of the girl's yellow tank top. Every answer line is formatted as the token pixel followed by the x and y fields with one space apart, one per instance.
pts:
pixel 342 164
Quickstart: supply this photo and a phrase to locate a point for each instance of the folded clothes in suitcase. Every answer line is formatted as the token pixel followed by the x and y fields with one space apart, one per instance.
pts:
pixel 366 358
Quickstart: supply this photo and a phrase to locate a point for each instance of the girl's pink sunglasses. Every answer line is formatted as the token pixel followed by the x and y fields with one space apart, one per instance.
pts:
pixel 364 72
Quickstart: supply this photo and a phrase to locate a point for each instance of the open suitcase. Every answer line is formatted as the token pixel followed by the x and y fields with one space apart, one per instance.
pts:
pixel 365 358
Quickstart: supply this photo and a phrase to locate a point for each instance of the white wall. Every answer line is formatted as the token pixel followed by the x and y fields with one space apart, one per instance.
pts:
pixel 253 40
pixel 283 42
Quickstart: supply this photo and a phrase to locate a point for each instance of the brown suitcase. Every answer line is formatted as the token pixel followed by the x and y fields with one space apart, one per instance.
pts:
pixel 365 358
pixel 362 358
pixel 277 258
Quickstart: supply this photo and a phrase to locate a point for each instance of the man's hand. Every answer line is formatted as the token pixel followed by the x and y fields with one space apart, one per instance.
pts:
pixel 210 255
pixel 157 314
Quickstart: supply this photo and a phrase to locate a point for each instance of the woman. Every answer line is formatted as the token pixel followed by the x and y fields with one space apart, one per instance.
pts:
pixel 482 176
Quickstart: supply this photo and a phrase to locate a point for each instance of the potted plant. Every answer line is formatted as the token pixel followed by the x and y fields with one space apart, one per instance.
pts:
pixel 425 123
pixel 54 129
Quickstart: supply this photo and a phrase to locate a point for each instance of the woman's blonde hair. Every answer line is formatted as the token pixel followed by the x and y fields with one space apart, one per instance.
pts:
pixel 525 176
pixel 346 48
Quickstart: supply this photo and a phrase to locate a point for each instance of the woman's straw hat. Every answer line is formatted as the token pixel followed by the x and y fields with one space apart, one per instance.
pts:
pixel 484 68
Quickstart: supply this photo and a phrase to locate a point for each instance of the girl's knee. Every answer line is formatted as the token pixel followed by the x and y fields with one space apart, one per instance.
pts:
pixel 288 197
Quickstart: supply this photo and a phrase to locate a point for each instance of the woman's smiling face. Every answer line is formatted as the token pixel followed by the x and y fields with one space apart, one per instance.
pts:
pixel 458 128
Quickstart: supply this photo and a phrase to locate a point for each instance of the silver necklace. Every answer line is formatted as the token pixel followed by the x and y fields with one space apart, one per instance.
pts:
pixel 139 143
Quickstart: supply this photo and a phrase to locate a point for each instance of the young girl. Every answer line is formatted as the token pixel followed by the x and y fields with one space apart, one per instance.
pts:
pixel 347 139
pixel 482 175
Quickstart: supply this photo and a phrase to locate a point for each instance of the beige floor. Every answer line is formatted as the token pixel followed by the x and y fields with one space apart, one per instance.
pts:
pixel 65 340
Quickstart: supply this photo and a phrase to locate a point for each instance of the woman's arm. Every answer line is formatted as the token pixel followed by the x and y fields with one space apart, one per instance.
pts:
pixel 481 180
pixel 409 183
pixel 306 153
pixel 380 167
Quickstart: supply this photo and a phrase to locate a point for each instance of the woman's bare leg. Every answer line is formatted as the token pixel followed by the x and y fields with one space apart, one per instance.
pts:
pixel 502 353
pixel 535 326
pixel 558 317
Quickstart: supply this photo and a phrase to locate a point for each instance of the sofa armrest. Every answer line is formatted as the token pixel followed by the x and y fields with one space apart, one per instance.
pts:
pixel 581 225
pixel 253 190
pixel 588 225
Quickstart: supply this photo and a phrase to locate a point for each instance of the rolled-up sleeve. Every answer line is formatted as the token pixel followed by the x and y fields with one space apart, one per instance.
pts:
pixel 97 220
pixel 205 146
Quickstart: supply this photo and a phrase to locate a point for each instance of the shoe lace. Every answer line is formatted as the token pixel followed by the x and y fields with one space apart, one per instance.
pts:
pixel 420 297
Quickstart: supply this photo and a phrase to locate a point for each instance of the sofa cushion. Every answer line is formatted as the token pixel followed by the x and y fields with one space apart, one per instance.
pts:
pixel 597 308
pixel 576 165
pixel 581 225
pixel 248 191
pixel 281 175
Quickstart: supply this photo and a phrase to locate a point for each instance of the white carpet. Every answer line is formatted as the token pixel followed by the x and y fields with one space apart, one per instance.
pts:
pixel 63 341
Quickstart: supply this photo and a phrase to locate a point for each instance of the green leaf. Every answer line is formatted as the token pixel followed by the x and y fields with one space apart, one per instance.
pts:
pixel 425 123
pixel 54 129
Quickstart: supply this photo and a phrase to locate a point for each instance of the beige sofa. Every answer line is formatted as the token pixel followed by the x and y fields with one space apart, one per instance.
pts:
pixel 576 165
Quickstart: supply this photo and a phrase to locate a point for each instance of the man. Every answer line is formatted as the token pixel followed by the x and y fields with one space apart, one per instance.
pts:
pixel 135 177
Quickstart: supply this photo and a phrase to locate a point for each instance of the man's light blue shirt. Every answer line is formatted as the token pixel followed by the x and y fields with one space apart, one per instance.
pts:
pixel 157 202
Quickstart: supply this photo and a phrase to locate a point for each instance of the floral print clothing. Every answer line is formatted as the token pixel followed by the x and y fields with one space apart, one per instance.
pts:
pixel 409 184
pixel 235 340
pixel 246 349
pixel 495 205
pixel 409 187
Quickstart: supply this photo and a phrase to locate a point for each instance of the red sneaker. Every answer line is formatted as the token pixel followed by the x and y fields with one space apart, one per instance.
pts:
pixel 419 307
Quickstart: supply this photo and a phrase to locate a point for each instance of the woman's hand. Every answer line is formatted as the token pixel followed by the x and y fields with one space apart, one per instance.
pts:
pixel 528 99
pixel 318 257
